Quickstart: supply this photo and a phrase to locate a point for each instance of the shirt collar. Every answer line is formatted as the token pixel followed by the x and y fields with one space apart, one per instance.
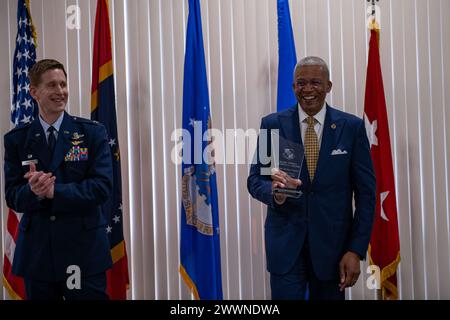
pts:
pixel 319 116
pixel 56 124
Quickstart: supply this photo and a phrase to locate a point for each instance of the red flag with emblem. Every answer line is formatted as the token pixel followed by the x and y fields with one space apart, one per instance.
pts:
pixel 384 248
pixel 103 109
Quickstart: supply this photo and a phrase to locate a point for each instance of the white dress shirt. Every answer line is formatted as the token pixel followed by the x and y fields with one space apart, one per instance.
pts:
pixel 318 127
pixel 56 125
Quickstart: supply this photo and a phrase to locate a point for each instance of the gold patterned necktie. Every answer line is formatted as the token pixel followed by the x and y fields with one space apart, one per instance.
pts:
pixel 311 146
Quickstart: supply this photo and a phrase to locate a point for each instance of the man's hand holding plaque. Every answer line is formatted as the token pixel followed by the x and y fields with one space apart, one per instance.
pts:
pixel 287 159
pixel 282 182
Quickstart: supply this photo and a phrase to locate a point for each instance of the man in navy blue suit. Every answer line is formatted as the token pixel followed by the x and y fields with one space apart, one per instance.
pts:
pixel 318 239
pixel 58 173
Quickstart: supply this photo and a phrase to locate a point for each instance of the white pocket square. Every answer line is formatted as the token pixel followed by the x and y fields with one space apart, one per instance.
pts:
pixel 338 152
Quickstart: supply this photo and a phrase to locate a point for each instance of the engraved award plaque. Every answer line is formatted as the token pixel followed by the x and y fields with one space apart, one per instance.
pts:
pixel 287 156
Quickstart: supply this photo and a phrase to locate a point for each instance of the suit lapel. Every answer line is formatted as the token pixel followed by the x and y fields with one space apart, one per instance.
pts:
pixel 63 142
pixel 331 133
pixel 290 125
pixel 36 145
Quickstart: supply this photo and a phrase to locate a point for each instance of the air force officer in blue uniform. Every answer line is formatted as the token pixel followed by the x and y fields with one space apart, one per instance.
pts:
pixel 319 238
pixel 58 173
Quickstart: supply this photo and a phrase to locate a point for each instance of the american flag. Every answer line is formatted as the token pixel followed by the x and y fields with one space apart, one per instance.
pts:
pixel 23 110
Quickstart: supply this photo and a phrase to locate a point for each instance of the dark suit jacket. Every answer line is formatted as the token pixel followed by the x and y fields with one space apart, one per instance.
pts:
pixel 69 229
pixel 324 212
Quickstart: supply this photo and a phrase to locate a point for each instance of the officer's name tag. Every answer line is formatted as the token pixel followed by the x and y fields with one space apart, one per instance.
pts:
pixel 28 162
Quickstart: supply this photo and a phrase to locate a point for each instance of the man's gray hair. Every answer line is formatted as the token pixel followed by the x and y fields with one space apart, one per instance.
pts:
pixel 313 61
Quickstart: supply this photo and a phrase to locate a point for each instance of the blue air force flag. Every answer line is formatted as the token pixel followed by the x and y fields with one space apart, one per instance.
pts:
pixel 199 240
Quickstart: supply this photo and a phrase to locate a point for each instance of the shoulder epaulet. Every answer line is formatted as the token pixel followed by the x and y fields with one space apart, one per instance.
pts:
pixel 21 126
pixel 84 120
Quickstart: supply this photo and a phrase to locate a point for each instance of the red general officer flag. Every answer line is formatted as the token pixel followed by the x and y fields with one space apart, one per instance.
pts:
pixel 384 249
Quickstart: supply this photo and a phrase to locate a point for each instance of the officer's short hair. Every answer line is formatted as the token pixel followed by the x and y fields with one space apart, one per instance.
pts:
pixel 41 67
pixel 313 61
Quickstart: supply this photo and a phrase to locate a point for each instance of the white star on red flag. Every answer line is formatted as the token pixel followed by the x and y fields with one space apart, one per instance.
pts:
pixel 371 128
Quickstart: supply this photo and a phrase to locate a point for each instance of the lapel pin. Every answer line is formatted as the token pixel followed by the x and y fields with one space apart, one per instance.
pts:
pixel 333 126
pixel 66 132
pixel 29 156
pixel 37 135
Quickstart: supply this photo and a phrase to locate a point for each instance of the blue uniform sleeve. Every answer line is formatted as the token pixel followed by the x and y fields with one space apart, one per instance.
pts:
pixel 18 194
